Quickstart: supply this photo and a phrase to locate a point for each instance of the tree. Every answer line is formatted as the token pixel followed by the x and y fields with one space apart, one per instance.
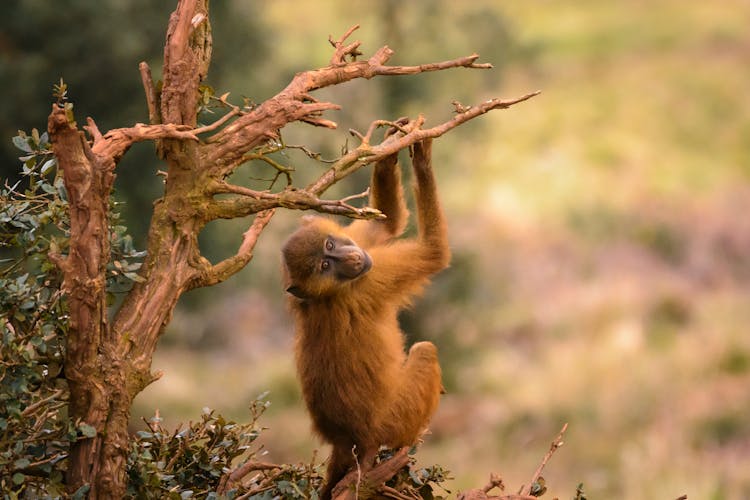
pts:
pixel 108 358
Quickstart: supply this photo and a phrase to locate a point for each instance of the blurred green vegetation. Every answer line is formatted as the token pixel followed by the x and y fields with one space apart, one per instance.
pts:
pixel 601 271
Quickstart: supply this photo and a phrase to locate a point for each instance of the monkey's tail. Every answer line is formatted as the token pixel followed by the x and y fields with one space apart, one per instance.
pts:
pixel 342 459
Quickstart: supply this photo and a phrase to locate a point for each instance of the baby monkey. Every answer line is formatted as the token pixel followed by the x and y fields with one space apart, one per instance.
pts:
pixel 346 286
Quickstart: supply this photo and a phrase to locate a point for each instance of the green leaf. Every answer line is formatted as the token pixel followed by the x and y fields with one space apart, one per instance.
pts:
pixel 47 166
pixel 22 143
pixel 87 430
pixel 81 492
pixel 18 478
pixel 135 277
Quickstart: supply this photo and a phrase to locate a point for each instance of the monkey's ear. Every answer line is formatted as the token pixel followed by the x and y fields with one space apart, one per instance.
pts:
pixel 296 291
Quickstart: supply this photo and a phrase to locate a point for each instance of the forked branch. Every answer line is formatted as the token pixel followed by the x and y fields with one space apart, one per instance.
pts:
pixel 342 51
pixel 354 481
pixel 294 103
pixel 558 442
pixel 525 493
pixel 407 133
pixel 228 267
pixel 245 201
pixel 235 477
pixel 117 141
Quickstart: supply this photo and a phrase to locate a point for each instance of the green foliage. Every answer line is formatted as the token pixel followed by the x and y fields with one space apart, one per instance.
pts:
pixel 193 462
pixel 418 482
pixel 34 429
pixel 189 462
pixel 580 495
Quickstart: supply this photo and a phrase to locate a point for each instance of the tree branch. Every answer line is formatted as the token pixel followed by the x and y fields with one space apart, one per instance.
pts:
pixel 346 488
pixel 558 442
pixel 408 132
pixel 151 96
pixel 116 142
pixel 248 201
pixel 352 50
pixel 403 133
pixel 525 491
pixel 186 56
pixel 226 268
pixel 229 480
pixel 293 103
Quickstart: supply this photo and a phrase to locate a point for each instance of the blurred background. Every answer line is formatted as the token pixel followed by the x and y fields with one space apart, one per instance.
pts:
pixel 601 237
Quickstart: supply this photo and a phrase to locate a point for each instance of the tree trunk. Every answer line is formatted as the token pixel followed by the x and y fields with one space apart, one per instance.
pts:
pixel 94 378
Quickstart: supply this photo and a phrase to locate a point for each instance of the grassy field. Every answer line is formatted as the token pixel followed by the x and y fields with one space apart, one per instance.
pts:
pixel 602 252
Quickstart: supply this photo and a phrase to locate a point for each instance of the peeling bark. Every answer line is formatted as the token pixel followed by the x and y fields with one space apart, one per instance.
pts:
pixel 93 381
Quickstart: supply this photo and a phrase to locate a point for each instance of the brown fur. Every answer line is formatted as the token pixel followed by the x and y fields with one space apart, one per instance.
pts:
pixel 360 388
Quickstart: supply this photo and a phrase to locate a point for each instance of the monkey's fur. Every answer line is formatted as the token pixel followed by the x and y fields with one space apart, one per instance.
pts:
pixel 346 287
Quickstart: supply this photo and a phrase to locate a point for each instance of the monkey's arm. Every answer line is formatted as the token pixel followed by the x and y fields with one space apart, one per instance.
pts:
pixel 433 231
pixel 386 194
pixel 403 267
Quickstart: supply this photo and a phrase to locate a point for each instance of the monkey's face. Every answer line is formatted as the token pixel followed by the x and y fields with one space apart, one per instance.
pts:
pixel 320 259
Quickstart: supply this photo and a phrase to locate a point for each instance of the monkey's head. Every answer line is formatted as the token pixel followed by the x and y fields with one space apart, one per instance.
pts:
pixel 320 259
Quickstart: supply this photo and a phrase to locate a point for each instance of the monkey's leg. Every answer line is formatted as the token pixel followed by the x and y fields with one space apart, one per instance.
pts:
pixel 418 395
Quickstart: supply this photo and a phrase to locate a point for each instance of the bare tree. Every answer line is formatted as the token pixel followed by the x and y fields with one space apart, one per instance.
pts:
pixel 109 361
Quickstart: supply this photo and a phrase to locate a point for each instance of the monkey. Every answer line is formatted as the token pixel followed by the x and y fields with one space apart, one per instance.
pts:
pixel 346 286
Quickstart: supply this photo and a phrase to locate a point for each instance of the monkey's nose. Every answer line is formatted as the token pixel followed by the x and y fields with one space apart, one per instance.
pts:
pixel 356 263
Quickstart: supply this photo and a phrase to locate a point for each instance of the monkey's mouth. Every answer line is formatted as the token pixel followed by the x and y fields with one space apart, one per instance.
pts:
pixel 355 265
pixel 366 264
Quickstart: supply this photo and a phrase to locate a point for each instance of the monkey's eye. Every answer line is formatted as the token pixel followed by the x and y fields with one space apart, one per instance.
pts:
pixel 325 264
pixel 329 245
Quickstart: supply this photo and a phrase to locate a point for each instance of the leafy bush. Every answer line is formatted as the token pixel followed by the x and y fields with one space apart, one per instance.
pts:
pixel 34 429
pixel 196 462
pixel 189 462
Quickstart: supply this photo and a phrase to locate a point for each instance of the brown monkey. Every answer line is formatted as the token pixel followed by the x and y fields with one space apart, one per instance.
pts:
pixel 346 287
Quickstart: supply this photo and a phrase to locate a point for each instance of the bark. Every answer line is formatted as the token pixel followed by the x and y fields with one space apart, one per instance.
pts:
pixel 92 378
pixel 109 363
pixel 357 485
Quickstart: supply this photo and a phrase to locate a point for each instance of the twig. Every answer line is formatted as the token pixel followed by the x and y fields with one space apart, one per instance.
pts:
pixel 398 125
pixel 339 55
pixel 363 194
pixel 229 480
pixel 558 442
pixel 227 267
pixel 495 482
pixel 281 169
pixel 408 133
pixel 92 129
pixel 151 98
pixel 218 123
pixel 34 406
